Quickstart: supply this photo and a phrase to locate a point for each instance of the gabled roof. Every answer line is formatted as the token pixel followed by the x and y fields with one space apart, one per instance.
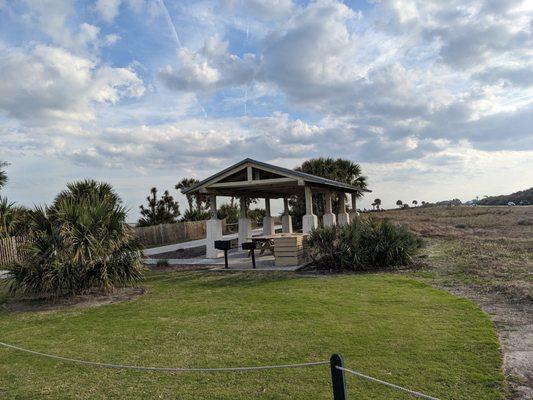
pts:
pixel 300 178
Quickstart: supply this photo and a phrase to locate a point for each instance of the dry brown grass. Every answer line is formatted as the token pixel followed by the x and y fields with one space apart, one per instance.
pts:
pixel 487 248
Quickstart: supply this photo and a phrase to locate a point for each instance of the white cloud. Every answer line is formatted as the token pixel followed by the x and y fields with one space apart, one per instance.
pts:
pixel 108 9
pixel 55 18
pixel 415 90
pixel 262 9
pixel 195 73
pixel 212 67
pixel 43 84
pixel 409 72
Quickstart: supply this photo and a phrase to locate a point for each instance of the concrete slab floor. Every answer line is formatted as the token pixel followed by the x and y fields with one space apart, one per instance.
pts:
pixel 238 260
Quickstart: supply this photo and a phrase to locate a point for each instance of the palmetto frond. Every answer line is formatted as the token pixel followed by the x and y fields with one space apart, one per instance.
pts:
pixel 80 242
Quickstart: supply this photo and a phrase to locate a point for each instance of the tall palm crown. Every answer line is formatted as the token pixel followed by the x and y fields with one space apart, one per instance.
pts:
pixel 340 170
pixel 185 183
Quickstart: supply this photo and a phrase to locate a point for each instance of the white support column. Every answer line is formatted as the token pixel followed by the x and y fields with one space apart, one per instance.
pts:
pixel 268 221
pixel 286 219
pixel 310 220
pixel 213 228
pixel 245 225
pixel 329 218
pixel 353 212
pixel 342 217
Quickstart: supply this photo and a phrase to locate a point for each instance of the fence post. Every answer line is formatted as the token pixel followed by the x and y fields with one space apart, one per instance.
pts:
pixel 337 378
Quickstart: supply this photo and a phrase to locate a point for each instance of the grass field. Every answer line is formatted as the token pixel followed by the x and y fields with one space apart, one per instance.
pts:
pixel 385 325
pixel 489 249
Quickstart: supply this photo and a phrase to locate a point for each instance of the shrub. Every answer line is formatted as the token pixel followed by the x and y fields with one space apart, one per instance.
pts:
pixel 362 246
pixel 80 242
pixel 524 222
pixel 195 215
pixel 13 219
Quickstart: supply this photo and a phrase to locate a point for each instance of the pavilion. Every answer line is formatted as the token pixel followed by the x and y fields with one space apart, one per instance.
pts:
pixel 254 179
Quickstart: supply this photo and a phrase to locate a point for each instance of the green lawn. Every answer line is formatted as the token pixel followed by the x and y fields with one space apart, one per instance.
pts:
pixel 384 325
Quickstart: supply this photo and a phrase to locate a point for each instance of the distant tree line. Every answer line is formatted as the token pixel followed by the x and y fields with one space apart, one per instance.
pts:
pixel 523 197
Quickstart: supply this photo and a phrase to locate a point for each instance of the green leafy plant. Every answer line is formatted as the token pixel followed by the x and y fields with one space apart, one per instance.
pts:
pixel 13 219
pixel 338 169
pixel 256 215
pixel 3 175
pixel 79 243
pixel 195 215
pixel 164 210
pixel 362 245
pixel 229 211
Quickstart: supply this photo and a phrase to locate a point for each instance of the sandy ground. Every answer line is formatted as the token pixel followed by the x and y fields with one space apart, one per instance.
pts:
pixel 83 301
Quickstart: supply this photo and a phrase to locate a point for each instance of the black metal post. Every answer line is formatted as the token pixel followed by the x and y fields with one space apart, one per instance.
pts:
pixel 225 259
pixel 337 378
pixel 253 258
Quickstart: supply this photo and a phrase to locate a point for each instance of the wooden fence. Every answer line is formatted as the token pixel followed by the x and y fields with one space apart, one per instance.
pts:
pixel 171 233
pixel 11 249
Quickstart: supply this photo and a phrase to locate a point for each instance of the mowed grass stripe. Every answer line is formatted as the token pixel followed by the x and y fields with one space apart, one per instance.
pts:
pixel 385 325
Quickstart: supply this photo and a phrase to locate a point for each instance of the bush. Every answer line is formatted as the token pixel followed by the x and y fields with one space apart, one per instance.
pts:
pixel 13 219
pixel 195 215
pixel 362 246
pixel 524 222
pixel 80 242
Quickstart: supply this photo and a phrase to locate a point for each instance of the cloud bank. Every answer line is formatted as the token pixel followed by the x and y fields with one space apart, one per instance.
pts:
pixel 414 87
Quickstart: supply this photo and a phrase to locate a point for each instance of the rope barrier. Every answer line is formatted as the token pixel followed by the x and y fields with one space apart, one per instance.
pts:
pixel 392 385
pixel 164 369
pixel 218 369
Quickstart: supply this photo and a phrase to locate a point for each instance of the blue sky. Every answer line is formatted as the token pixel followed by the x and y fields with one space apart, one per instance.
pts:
pixel 434 99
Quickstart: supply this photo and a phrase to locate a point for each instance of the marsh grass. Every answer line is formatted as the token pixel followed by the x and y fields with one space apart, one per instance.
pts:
pixel 485 247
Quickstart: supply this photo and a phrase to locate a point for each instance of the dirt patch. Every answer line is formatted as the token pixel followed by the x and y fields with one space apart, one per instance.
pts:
pixel 96 299
pixel 193 252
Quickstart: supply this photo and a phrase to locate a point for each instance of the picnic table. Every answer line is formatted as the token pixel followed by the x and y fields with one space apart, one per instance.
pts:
pixel 265 242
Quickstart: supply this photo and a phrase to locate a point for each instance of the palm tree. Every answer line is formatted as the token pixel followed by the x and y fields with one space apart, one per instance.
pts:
pixel 339 169
pixel 81 241
pixel 377 202
pixel 13 219
pixel 185 183
pixel 3 175
pixel 415 203
pixel 399 203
